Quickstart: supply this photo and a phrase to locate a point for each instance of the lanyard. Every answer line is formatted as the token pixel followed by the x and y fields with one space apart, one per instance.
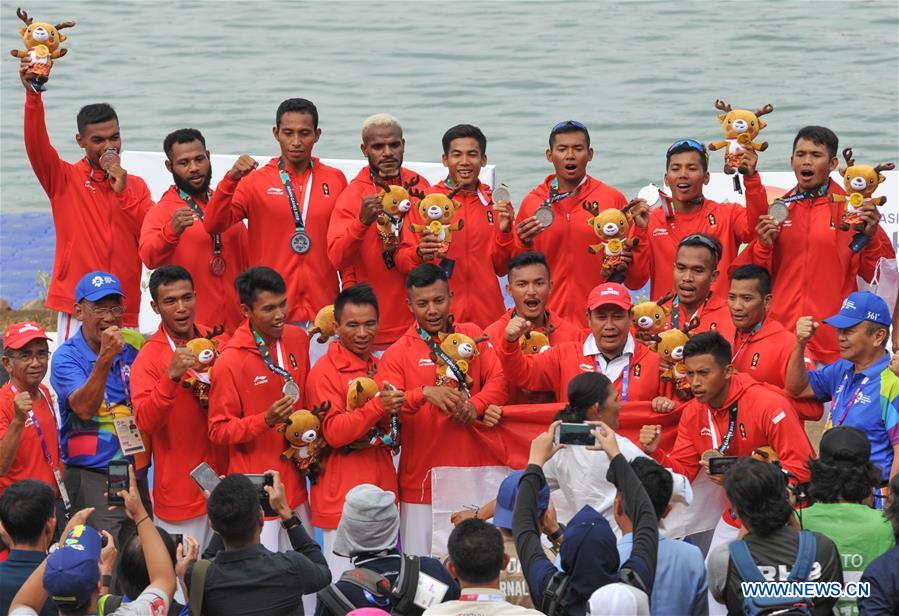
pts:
pixel 555 196
pixel 739 350
pixel 64 495
pixel 625 375
pixel 849 402
pixel 298 217
pixel 484 201
pixel 216 238
pixel 435 348
pixel 480 597
pixel 806 194
pixel 725 444
pixel 267 356
pixel 125 375
pixel 675 314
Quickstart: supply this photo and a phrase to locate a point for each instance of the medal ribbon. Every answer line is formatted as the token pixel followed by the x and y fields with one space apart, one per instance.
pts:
pixel 675 314
pixel 216 238
pixel 267 356
pixel 725 444
pixel 806 194
pixel 849 402
pixel 484 201
pixel 435 348
pixel 555 196
pixel 298 217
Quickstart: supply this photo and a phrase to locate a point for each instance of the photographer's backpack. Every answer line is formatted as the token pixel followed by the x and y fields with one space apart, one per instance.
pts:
pixel 401 594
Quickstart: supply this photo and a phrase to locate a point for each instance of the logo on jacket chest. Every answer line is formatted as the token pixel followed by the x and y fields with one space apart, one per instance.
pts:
pixel 260 380
pixel 425 362
pixel 755 360
pixel 274 190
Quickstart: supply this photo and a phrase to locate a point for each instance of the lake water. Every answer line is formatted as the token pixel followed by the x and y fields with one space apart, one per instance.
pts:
pixel 639 74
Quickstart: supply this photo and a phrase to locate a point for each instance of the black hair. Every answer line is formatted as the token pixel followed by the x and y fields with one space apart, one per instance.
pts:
pixel 233 508
pixel 657 482
pixel 701 240
pixel 255 279
pixel 463 131
pixel 757 273
pixel 132 565
pixel 568 127
pixel 819 135
pixel 182 135
pixel 584 390
pixel 358 295
pixel 297 105
pixel 872 328
pixel 834 480
pixel 524 259
pixel 25 507
pixel 95 114
pixel 892 512
pixel 685 147
pixel 166 275
pixel 476 550
pixel 757 490
pixel 709 343
pixel 425 275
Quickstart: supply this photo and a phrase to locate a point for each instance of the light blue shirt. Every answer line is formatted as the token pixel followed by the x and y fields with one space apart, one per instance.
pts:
pixel 680 586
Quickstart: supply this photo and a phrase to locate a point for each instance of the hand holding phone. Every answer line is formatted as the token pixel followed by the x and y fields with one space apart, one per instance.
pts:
pixel 259 482
pixel 721 464
pixel 578 434
pixel 116 481
pixel 205 477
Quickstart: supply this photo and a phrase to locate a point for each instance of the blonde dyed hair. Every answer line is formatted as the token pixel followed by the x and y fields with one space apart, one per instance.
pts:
pixel 380 119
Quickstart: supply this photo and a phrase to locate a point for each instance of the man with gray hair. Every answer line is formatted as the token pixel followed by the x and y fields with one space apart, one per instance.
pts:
pixel 363 236
pixel 384 578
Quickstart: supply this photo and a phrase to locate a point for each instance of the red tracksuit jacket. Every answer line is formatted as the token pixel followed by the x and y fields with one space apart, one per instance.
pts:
pixel 553 370
pixel 429 438
pixel 654 255
pixel 357 247
pixel 96 228
pixel 217 300
pixel 342 469
pixel 812 267
pixel 562 332
pixel 764 417
pixel 480 251
pixel 260 198
pixel 574 270
pixel 714 315
pixel 242 390
pixel 178 425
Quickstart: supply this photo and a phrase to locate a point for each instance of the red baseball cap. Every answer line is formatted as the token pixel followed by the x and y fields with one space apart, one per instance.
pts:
pixel 18 335
pixel 609 293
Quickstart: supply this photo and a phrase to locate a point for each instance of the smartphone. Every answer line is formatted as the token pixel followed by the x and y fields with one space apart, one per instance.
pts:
pixel 177 538
pixel 259 482
pixel 721 464
pixel 116 481
pixel 205 477
pixel 574 434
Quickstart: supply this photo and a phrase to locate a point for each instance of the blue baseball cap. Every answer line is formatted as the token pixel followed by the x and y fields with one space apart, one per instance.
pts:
pixel 860 306
pixel 95 286
pixel 73 570
pixel 505 500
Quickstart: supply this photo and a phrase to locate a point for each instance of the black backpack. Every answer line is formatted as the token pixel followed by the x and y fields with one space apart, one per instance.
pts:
pixel 553 602
pixel 401 595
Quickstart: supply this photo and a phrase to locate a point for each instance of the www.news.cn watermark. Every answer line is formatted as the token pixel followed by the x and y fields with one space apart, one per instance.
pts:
pixel 784 590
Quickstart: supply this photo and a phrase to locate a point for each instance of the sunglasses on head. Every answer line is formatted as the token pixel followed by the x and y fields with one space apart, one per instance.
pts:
pixel 690 143
pixel 569 124
pixel 698 238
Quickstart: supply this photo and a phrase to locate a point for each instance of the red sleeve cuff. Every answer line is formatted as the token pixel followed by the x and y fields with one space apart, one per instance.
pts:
pixel 357 229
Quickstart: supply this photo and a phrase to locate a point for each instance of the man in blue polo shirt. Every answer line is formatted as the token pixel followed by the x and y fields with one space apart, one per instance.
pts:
pixel 865 392
pixel 90 373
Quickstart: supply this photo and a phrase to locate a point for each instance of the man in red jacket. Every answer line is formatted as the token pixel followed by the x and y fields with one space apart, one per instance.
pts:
pixel 169 411
pixel 354 242
pixel 486 236
pixel 810 259
pixel 609 348
pixel 695 274
pixel 442 424
pixel 169 235
pixel 530 285
pixel 362 435
pixel 731 414
pixel 287 204
pixel 686 213
pixel 257 382
pixel 553 218
pixel 97 207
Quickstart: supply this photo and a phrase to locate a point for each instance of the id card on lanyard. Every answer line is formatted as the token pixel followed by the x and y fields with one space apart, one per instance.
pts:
pixel 130 439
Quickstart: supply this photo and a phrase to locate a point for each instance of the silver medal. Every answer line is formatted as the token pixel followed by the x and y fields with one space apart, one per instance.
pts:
pixel 291 390
pixel 300 242
pixel 501 194
pixel 651 195
pixel 544 215
pixel 779 211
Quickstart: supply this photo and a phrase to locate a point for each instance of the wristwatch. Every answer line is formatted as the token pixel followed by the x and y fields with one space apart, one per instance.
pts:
pixel 292 522
pixel 554 536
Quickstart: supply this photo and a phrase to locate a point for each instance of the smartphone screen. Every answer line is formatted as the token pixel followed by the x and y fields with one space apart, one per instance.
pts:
pixel 177 538
pixel 116 481
pixel 577 434
pixel 259 482
pixel 205 477
pixel 721 464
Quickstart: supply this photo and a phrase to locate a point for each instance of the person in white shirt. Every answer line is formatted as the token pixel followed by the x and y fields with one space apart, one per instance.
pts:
pixel 577 476
pixel 476 558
